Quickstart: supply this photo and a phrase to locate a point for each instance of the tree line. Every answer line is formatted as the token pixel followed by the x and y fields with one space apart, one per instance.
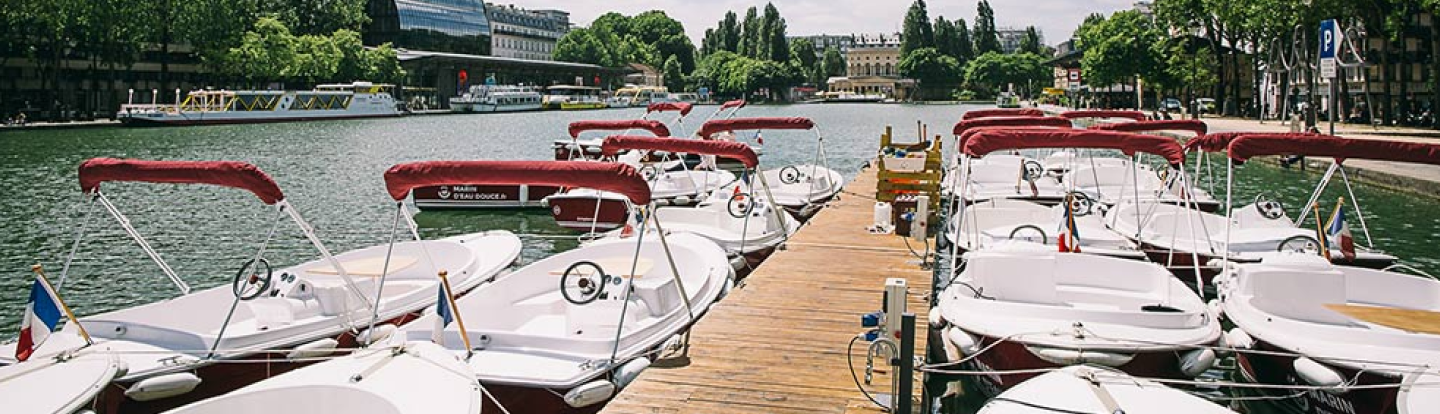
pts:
pixel 951 60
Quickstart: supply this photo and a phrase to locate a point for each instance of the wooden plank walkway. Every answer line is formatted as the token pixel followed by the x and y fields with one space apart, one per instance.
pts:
pixel 777 345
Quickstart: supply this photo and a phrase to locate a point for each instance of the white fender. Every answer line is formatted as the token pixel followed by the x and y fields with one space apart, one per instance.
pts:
pixel 728 286
pixel 164 386
pixel 1318 375
pixel 1214 309
pixel 1237 338
pixel 937 319
pixel 316 348
pixel 590 393
pixel 626 374
pixel 952 352
pixel 683 200
pixel 376 334
pixel 963 341
pixel 1067 357
pixel 1196 362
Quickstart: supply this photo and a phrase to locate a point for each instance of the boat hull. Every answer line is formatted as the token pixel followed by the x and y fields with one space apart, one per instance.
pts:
pixel 462 197
pixel 1277 369
pixel 580 213
pixel 1012 355
pixel 215 119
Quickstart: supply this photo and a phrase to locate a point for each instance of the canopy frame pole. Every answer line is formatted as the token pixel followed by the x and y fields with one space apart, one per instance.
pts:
pixel 779 211
pixel 75 246
pixel 235 302
pixel 1188 200
pixel 309 233
pixel 1356 202
pixel 384 272
pixel 140 240
pixel 1315 196
pixel 1229 215
pixel 630 284
pixel 958 209
pixel 410 221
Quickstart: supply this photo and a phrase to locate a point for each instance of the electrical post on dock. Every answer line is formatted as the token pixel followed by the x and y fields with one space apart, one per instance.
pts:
pixel 892 340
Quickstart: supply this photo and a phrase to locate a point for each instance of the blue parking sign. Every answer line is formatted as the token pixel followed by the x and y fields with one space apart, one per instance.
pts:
pixel 1329 39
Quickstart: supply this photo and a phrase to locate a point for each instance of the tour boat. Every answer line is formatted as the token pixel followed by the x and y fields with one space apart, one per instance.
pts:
pixel 196 345
pixel 569 330
pixel 65 378
pixel 850 97
pixel 415 377
pixel 496 98
pixel 1094 389
pixel 803 188
pixel 205 107
pixel 631 96
pixel 571 97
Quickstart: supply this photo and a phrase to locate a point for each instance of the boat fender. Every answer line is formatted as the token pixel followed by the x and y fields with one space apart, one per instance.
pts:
pixel 627 373
pixel 937 319
pixel 316 348
pixel 952 352
pixel 590 393
pixel 682 200
pixel 1214 309
pixel 1318 375
pixel 1061 356
pixel 376 334
pixel 1196 362
pixel 1237 338
pixel 164 386
pixel 963 341
pixel 727 287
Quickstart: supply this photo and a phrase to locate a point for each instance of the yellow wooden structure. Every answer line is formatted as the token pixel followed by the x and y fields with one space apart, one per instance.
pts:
pixel 902 182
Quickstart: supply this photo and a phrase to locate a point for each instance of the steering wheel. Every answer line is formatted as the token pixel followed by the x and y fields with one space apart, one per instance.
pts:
pixel 1043 238
pixel 790 175
pixel 1033 170
pixel 740 205
pixel 583 282
pixel 1299 243
pixel 250 285
pixel 648 172
pixel 1269 208
pixel 1081 204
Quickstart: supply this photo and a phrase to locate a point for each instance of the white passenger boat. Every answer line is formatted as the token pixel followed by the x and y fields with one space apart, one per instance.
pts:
pixel 803 188
pixel 195 345
pixel 410 378
pixel 1010 176
pixel 496 98
pixel 571 97
pixel 671 181
pixel 64 378
pixel 205 107
pixel 1093 389
pixel 569 330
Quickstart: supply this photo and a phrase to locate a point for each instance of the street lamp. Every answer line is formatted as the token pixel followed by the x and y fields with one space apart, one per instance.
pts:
pixel 1194 68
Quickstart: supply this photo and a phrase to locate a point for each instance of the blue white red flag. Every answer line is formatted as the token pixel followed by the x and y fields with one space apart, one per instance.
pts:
pixel 42 315
pixel 443 316
pixel 1340 233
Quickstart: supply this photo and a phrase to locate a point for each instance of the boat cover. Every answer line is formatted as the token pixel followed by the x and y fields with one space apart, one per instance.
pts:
pixel 738 103
pixel 224 173
pixel 1010 121
pixel 1135 115
pixel 986 141
pixel 1001 112
pixel 1219 141
pixel 1191 125
pixel 740 124
pixel 655 127
pixel 613 177
pixel 682 107
pixel 729 149
pixel 1248 146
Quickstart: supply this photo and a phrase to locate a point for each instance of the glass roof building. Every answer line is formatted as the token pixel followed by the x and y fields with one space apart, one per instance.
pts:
pixel 449 26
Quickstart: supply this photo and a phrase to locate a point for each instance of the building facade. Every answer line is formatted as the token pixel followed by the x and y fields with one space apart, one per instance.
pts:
pixel 450 26
pixel 525 34
pixel 1010 38
pixel 873 55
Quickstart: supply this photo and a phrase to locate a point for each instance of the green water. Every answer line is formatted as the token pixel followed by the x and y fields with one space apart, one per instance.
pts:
pixel 331 172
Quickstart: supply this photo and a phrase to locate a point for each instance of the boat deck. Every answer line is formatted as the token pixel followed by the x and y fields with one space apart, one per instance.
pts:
pixel 777 345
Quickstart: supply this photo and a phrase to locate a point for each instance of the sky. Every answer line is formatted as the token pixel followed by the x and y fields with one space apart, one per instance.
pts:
pixel 1057 19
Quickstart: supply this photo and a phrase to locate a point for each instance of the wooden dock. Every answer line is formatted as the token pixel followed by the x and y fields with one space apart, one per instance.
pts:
pixel 777 345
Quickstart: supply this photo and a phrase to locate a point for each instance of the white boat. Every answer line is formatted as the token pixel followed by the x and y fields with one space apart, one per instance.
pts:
pixel 1018 306
pixel 193 345
pixel 1011 176
pixel 496 98
pixel 64 379
pixel 633 96
pixel 996 220
pixel 571 329
pixel 571 97
pixel 802 189
pixel 1092 389
pixel 205 107
pixel 415 377
pixel 671 181
pixel 850 97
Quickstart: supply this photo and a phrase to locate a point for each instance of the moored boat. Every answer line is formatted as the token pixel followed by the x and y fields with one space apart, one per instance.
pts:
pixel 496 98
pixel 803 188
pixel 1093 389
pixel 325 102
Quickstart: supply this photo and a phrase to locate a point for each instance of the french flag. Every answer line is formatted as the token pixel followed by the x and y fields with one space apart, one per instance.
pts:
pixel 1340 233
pixel 444 315
pixel 42 315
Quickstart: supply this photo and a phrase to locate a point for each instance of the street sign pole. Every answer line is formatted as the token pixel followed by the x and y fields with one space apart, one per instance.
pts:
pixel 1329 48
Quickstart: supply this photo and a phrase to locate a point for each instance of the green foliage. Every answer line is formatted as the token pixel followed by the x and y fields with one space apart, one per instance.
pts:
pixel 934 70
pixel 995 71
pixel 1191 69
pixel 749 34
pixel 674 77
pixel 613 40
pixel 320 17
pixel 1121 47
pixel 583 46
pixel 832 64
pixel 1030 43
pixel 964 48
pixel 730 74
pixel 270 52
pixel 802 56
pixel 779 48
pixel 985 37
pixel 916 31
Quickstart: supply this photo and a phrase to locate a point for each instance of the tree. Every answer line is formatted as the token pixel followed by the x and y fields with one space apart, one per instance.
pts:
pixel 583 46
pixel 316 58
pixel 1030 43
pixel 946 40
pixel 317 17
pixel 802 56
pixel 832 64
pixel 749 34
pixel 917 33
pixel 729 32
pixel 266 52
pixel 674 77
pixel 779 46
pixel 1121 48
pixel 986 38
pixel 995 71
pixel 936 72
pixel 964 48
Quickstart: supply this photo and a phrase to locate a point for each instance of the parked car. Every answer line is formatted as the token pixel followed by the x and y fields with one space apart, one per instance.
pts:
pixel 1205 105
pixel 1170 105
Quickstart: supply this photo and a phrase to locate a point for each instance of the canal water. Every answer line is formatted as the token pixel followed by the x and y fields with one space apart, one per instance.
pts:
pixel 332 173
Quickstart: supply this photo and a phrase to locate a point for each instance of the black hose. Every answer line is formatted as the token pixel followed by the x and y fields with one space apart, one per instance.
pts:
pixel 850 359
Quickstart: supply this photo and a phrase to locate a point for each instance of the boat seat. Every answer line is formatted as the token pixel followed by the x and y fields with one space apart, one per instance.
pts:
pixel 1300 294
pixel 366 267
pixel 1028 279
pixel 280 311
pixel 601 317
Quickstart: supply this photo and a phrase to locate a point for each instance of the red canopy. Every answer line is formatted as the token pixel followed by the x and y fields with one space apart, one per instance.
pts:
pixel 225 173
pixel 1001 112
pixel 1135 115
pixel 741 124
pixel 1249 146
pixel 1010 121
pixel 728 149
pixel 655 127
pixel 682 107
pixel 1192 125
pixel 619 178
pixel 1219 141
pixel 990 140
pixel 738 103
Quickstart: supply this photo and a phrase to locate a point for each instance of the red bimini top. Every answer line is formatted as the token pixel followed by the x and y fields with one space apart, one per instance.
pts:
pixel 1249 146
pixel 1001 112
pixel 1191 125
pixel 742 124
pixel 738 103
pixel 985 141
pixel 1135 115
pixel 682 107
pixel 655 127
pixel 1010 121
pixel 613 177
pixel 728 149
pixel 224 173
pixel 1219 141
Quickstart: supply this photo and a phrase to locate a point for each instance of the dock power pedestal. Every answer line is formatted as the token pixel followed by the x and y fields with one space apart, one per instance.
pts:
pixel 893 341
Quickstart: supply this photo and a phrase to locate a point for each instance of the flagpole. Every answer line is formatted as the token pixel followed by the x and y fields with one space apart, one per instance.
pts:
pixel 450 297
pixel 1320 228
pixel 40 273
